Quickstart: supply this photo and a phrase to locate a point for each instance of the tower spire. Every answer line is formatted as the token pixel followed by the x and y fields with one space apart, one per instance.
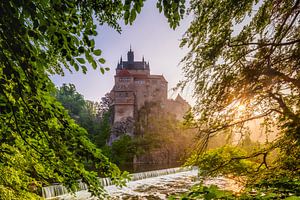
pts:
pixel 130 56
pixel 120 64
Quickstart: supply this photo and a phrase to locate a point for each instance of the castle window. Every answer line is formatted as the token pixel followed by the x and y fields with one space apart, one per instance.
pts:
pixel 124 79
pixel 140 82
pixel 122 94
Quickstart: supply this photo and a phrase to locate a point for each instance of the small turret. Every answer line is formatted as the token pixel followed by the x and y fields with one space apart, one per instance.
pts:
pixel 120 64
pixel 144 63
pixel 130 56
pixel 147 66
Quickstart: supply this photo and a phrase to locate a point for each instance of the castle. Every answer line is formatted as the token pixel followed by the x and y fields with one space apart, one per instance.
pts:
pixel 134 86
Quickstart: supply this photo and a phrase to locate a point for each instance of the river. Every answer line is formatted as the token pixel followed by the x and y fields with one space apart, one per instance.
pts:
pixel 153 185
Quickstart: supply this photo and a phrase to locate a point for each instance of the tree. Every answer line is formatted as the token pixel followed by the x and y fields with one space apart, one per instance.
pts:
pixel 123 150
pixel 93 116
pixel 40 143
pixel 159 136
pixel 248 73
pixel 71 100
pixel 103 135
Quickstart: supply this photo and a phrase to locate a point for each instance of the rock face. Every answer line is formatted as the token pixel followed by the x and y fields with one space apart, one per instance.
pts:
pixel 134 86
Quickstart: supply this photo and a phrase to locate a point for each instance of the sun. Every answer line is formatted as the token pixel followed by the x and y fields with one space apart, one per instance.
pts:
pixel 241 108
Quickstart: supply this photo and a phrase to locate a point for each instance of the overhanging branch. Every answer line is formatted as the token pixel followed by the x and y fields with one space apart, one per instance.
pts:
pixel 261 44
pixel 236 123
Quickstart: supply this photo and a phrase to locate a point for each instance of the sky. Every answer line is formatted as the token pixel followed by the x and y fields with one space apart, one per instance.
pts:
pixel 149 36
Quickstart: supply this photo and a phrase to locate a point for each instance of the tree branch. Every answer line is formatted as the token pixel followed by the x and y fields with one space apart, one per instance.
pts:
pixel 265 44
pixel 286 110
pixel 18 130
pixel 273 72
pixel 238 122
pixel 264 152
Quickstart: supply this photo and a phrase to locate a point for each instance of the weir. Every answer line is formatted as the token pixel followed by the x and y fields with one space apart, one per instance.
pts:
pixel 58 190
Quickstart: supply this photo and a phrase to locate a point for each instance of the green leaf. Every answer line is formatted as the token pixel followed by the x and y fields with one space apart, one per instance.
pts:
pixel 132 16
pixel 94 64
pixel 92 43
pixel 102 60
pixel 89 57
pixel 81 60
pixel 81 49
pixel 102 70
pixel 76 66
pixel 97 52
pixel 126 17
pixel 84 69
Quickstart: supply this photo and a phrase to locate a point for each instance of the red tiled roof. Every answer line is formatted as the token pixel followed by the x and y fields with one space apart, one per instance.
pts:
pixel 123 73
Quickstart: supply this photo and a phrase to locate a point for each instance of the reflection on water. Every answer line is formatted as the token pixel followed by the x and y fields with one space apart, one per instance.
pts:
pixel 136 168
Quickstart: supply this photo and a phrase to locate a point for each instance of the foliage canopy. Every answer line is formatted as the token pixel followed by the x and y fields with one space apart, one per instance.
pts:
pixel 39 142
pixel 244 62
pixel 94 117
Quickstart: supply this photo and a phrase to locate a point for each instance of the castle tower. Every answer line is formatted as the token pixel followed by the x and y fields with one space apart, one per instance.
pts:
pixel 134 86
pixel 130 56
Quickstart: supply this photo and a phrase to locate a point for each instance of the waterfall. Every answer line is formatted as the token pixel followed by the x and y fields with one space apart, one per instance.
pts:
pixel 105 181
pixel 58 190
pixel 53 191
pixel 155 173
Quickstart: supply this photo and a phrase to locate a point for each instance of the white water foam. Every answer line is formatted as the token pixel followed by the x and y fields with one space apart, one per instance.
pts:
pixel 155 187
pixel 59 190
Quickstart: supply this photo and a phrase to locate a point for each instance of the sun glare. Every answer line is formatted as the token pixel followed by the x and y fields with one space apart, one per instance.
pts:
pixel 241 108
